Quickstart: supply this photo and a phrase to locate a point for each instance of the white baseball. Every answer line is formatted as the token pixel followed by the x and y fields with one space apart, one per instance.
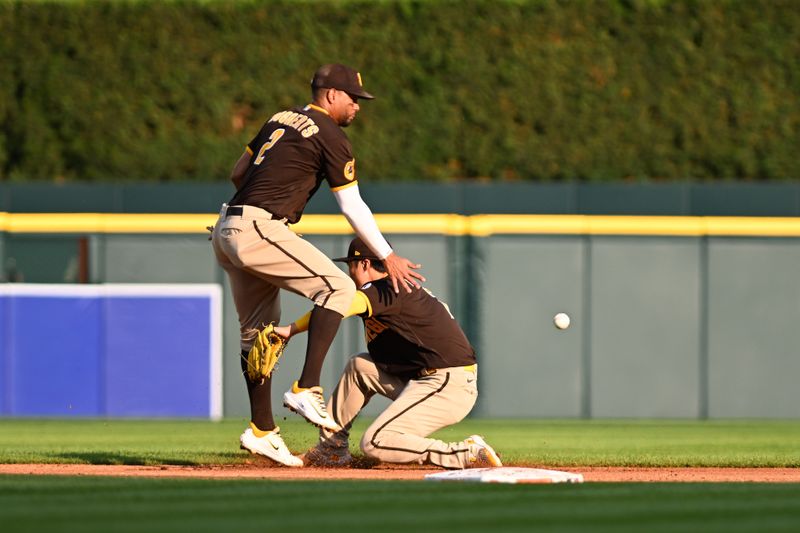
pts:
pixel 561 320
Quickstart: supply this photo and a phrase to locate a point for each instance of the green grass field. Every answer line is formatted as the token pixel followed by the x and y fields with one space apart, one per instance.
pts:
pixel 541 442
pixel 113 504
pixel 116 504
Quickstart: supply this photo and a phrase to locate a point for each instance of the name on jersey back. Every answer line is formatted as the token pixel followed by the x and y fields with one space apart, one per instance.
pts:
pixel 303 124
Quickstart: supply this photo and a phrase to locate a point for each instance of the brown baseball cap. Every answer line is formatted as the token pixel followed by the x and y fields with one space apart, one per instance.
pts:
pixel 342 77
pixel 357 251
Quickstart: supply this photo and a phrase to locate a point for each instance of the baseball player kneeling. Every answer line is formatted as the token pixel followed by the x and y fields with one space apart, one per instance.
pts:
pixel 419 357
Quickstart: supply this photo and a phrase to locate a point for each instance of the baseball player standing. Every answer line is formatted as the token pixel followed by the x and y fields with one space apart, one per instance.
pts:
pixel 279 171
pixel 418 357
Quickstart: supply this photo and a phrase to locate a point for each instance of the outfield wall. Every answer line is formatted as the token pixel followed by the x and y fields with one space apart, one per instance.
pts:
pixel 675 317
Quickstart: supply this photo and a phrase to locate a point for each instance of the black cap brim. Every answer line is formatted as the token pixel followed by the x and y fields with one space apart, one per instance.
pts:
pixel 355 258
pixel 361 93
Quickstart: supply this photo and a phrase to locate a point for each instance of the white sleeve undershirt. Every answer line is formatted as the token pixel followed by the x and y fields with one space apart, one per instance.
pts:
pixel 360 217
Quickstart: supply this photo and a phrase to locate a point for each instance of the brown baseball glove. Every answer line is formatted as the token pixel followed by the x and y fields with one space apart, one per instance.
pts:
pixel 264 355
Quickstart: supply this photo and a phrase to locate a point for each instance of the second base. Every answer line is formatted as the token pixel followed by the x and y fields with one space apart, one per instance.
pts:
pixel 507 474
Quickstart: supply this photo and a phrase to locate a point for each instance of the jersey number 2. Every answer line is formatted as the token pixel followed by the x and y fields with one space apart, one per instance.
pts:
pixel 273 138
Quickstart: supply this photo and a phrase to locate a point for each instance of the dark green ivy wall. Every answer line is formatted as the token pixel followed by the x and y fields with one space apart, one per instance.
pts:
pixel 542 90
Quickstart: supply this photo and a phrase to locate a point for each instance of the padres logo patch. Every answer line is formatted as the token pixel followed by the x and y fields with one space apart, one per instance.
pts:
pixel 350 170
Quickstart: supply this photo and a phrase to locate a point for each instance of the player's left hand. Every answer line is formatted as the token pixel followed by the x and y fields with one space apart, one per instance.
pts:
pixel 264 355
pixel 401 272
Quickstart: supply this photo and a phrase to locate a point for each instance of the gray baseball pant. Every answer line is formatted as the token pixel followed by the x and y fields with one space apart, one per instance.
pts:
pixel 420 407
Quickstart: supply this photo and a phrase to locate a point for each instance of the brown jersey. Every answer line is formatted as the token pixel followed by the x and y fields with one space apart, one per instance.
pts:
pixel 290 157
pixel 409 332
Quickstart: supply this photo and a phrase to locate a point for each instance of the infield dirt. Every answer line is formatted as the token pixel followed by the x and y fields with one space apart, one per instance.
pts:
pixel 398 472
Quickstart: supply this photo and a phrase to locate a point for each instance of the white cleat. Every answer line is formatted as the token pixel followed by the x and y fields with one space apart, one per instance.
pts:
pixel 310 404
pixel 481 455
pixel 270 445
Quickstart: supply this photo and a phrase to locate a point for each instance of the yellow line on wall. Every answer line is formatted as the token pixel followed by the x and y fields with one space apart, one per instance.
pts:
pixel 753 226
pixel 438 224
pixel 484 225
pixel 435 224
pixel 105 223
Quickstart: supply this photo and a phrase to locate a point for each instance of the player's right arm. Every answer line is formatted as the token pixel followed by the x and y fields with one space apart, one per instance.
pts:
pixel 339 165
pixel 359 306
pixel 400 270
pixel 241 167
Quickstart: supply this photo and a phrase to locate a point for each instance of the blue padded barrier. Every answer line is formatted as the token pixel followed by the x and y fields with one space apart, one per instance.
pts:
pixel 110 350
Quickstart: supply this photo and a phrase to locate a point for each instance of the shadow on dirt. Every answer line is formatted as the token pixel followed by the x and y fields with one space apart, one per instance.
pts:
pixel 114 458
